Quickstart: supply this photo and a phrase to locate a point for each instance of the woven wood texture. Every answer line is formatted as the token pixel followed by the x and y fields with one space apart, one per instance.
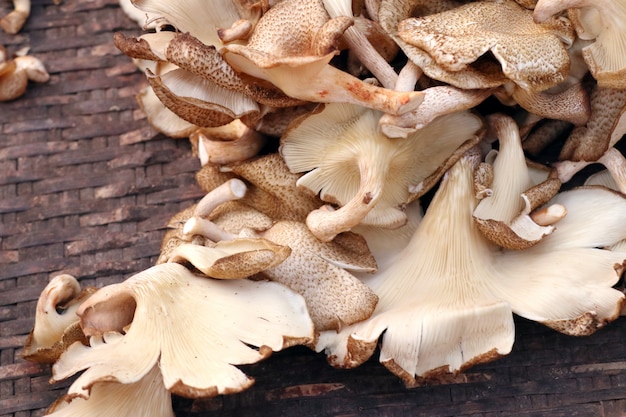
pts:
pixel 86 188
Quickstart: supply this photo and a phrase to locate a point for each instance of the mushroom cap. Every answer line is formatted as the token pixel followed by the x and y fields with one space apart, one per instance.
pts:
pixel 532 55
pixel 319 272
pixel 196 357
pixel 146 397
pixel 445 313
pixel 56 320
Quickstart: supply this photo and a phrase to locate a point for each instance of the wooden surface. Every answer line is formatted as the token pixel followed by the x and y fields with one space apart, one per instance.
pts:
pixel 86 188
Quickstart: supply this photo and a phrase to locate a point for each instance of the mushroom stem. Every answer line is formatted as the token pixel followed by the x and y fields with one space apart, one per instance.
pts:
pixel 203 227
pixel 326 223
pixel 361 46
pixel 408 76
pixel 233 189
pixel 615 162
pixel 234 142
pixel 548 216
pixel 14 21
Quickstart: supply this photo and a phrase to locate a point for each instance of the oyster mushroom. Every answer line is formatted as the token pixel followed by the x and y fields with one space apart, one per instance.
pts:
pixel 447 302
pixel 234 142
pixel 146 397
pixel 196 357
pixel 349 162
pixel 56 323
pixel 602 20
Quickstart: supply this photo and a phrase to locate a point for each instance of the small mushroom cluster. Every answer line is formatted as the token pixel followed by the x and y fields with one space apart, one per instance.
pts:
pixel 372 168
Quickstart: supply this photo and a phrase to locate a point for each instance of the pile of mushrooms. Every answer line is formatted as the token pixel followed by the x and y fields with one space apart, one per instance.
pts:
pixel 378 173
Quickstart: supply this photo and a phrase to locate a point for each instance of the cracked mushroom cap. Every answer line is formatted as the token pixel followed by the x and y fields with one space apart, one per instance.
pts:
pixel 505 215
pixel 241 322
pixel 602 20
pixel 146 397
pixel 440 314
pixel 532 55
pixel 349 162
pixel 56 320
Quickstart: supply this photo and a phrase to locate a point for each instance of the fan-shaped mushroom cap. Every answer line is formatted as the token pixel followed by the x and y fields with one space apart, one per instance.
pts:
pixel 504 216
pixel 161 118
pixel 146 397
pixel 480 75
pixel 160 307
pixel 602 20
pixel 352 164
pixel 445 313
pixel 56 320
pixel 532 55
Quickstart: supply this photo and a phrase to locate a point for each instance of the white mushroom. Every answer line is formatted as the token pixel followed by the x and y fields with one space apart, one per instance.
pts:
pixel 447 303
pixel 195 329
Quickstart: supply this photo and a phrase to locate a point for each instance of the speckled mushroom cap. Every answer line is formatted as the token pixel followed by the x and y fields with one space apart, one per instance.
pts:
pixel 532 55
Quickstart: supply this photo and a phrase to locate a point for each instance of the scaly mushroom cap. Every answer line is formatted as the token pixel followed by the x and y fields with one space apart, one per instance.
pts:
pixel 160 307
pixel 480 75
pixel 56 320
pixel 352 164
pixel 602 20
pixel 161 118
pixel 318 271
pixel 146 397
pixel 504 216
pixel 447 302
pixel 532 55
pixel 606 126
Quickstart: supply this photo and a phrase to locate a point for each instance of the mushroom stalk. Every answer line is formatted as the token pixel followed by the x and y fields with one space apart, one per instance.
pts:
pixel 361 46
pixel 232 189
pixel 325 223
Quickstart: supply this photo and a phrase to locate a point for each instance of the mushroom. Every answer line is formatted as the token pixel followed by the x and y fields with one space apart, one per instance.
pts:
pixel 158 311
pixel 446 303
pixel 146 397
pixel 602 20
pixel 15 20
pixel 532 55
pixel 482 74
pixel 314 269
pixel 56 320
pixel 161 118
pixel 505 215
pixel 234 142
pixel 15 74
pixel 352 164
pixel 291 47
